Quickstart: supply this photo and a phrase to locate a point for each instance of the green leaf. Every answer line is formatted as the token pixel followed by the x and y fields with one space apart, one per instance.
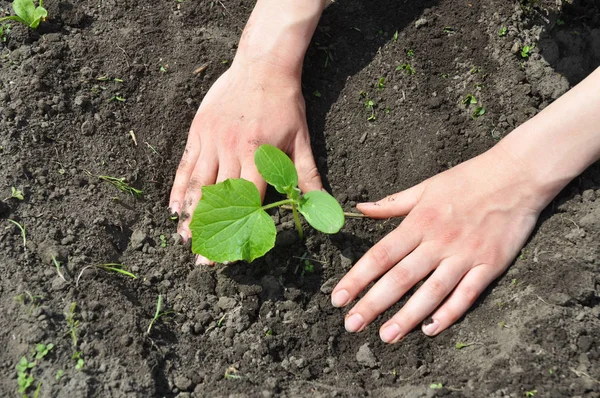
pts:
pixel 25 9
pixel 39 15
pixel 322 211
pixel 276 168
pixel 229 223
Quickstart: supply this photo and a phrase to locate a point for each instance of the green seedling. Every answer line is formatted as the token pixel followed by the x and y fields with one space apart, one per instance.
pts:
pixel 370 105
pixel 22 228
pixel 526 51
pixel 231 374
pixel 109 267
pixel 460 346
pixel 395 37
pixel 560 22
pixel 118 98
pixel 16 194
pixel 469 100
pixel 436 386
pixel 317 93
pixel 122 185
pixel 29 301
pixel 4 32
pixel 231 224
pixel 158 313
pixel 163 241
pixel 59 374
pixel 530 393
pixel 381 84
pixel 502 32
pixel 27 13
pixel 72 323
pixel 25 367
pixel 407 68
pixel 78 357
pixel 58 271
pixel 479 111
pixel 448 29
pixel 410 53
pixel 474 70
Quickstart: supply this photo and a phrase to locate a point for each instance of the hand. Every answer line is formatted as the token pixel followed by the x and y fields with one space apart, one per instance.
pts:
pixel 463 226
pixel 249 105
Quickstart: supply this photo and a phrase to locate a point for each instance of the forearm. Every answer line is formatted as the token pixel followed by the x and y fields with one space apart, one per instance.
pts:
pixel 561 141
pixel 277 35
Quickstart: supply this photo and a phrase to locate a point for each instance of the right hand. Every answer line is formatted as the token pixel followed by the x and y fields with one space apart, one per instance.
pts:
pixel 249 105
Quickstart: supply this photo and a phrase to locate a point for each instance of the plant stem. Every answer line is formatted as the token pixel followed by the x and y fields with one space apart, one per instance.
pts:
pixel 297 221
pixel 280 203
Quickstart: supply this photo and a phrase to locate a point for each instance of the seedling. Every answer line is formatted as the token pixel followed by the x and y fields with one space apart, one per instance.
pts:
pixel 27 13
pixel 58 271
pixel 395 37
pixel 479 111
pixel 117 97
pixel 78 356
pixel 502 32
pixel 526 51
pixel 317 93
pixel 407 68
pixel 460 346
pixel 25 368
pixel 29 301
pixel 469 100
pixel 109 267
pixel 59 374
pixel 72 323
pixel 436 386
pixel 231 224
pixel 410 53
pixel 448 29
pixel 22 228
pixel 381 84
pixel 16 194
pixel 370 105
pixel 158 314
pixel 560 22
pixel 4 32
pixel 530 393
pixel 163 241
pixel 122 185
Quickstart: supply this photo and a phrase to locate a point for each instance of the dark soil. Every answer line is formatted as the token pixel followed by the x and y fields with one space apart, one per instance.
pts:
pixel 268 329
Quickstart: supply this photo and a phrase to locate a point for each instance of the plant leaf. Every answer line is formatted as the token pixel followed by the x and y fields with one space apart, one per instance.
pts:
pixel 276 168
pixel 229 223
pixel 25 9
pixel 39 15
pixel 322 211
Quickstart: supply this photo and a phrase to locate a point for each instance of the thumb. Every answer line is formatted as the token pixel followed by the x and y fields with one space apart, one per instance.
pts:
pixel 308 174
pixel 398 204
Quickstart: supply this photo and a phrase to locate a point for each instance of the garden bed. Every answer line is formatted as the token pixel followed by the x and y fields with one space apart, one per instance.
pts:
pixel 108 88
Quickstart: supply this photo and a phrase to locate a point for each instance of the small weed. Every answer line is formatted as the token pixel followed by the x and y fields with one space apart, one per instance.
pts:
pixel 78 357
pixel 269 332
pixel 157 314
pixel 410 53
pixel 117 97
pixel 58 271
pixel 27 13
pixel 474 70
pixel 25 368
pixel 560 22
pixel 59 374
pixel 4 32
pixel 530 393
pixel 122 185
pixel 109 267
pixel 469 100
pixel 448 29
pixel 22 228
pixel 370 105
pixel 163 241
pixel 317 93
pixel 381 84
pixel 29 301
pixel 502 32
pixel 16 194
pixel 407 68
pixel 164 68
pixel 395 37
pixel 479 111
pixel 231 373
pixel 436 386
pixel 72 323
pixel 526 51
pixel 460 346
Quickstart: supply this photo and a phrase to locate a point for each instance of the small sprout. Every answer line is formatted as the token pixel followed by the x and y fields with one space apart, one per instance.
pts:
pixel 27 13
pixel 526 51
pixel 436 386
pixel 514 282
pixel 164 68
pixel 502 32
pixel 72 323
pixel 16 194
pixel 232 373
pixel 41 350
pixel 502 324
pixel 232 209
pixel 58 271
pixel 4 32
pixel 370 105
pixel 220 321
pixel 381 83
pixel 407 68
pixel 117 97
pixel 444 75
pixel 157 314
pixel 560 22
pixel 474 70
pixel 22 228
pixel 460 346
pixel 395 37
pixel 122 185
pixel 78 356
pixel 410 53
pixel 530 393
pixel 24 377
pixel 469 100
pixel 109 267
pixel 448 29
pixel 103 78
pixel 317 93
pixel 59 374
pixel 269 332
pixel 479 111
pixel 225 61
pixel 163 241
pixel 117 80
pixel 387 110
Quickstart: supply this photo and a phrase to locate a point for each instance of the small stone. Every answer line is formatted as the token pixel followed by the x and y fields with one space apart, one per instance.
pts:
pixel 138 237
pixel 365 356
pixel 226 303
pixel 420 22
pixel 182 383
pixel 327 287
pixel 176 238
pixel 286 238
pixel 588 195
pixel 87 128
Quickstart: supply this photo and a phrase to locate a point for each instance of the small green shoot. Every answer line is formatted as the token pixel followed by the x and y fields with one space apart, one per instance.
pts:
pixel 27 13
pixel 474 70
pixel 436 386
pixel 231 224
pixel 22 228
pixel 72 323
pixel 560 22
pixel 4 32
pixel 58 271
pixel 381 83
pixel 370 105
pixel 269 332
pixel 231 374
pixel 526 51
pixel 479 111
pixel 502 32
pixel 317 93
pixel 78 357
pixel 530 393
pixel 410 53
pixel 164 68
pixel 157 314
pixel 117 97
pixel 448 29
pixel 109 267
pixel 407 68
pixel 469 100
pixel 25 368
pixel 395 37
pixel 122 185
pixel 59 374
pixel 16 194
pixel 163 241
pixel 460 346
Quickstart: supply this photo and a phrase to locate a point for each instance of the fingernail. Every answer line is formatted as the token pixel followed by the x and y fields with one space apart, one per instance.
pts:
pixel 201 260
pixel 390 333
pixel 184 236
pixel 174 208
pixel 340 298
pixel 354 323
pixel 430 326
pixel 367 203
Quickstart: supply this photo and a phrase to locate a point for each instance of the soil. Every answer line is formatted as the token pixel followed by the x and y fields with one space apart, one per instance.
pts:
pixel 268 328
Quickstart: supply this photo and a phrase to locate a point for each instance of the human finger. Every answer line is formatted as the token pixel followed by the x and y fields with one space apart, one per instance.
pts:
pixel 309 178
pixel 250 172
pixel 391 287
pixel 184 173
pixel 425 300
pixel 205 173
pixel 378 260
pixel 398 204
pixel 461 299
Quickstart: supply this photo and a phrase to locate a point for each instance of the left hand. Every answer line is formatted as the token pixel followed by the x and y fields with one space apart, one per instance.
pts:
pixel 463 226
